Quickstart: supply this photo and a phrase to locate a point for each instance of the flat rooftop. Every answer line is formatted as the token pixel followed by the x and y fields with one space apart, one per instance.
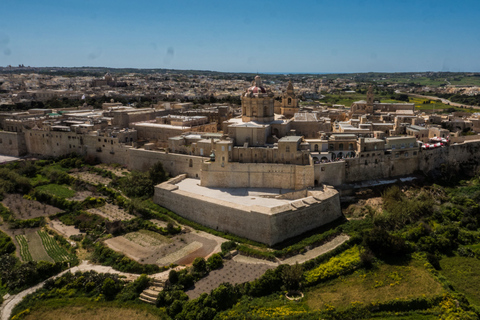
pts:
pixel 244 196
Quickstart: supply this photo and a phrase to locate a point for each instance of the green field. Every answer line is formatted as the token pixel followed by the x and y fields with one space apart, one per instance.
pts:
pixel 81 308
pixel 464 275
pixel 57 190
pixel 24 252
pixel 435 106
pixel 387 282
pixel 54 250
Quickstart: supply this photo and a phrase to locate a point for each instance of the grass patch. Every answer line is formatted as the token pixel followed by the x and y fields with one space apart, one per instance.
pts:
pixel 387 282
pixel 54 250
pixel 24 253
pixel 57 190
pixel 464 274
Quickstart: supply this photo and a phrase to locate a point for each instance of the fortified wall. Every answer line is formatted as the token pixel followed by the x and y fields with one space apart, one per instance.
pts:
pixel 257 175
pixel 388 166
pixel 173 163
pixel 269 225
pixel 456 154
pixel 12 143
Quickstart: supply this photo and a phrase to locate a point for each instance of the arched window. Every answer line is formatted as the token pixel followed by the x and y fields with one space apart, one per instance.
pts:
pixel 340 146
pixel 316 147
pixel 289 100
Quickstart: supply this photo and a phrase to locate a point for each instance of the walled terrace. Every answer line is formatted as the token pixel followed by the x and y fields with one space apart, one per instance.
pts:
pixel 269 216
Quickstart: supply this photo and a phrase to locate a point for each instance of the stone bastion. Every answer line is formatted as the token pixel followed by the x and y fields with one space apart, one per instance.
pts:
pixel 268 216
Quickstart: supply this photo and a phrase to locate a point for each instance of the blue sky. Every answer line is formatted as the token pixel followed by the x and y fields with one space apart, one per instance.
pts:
pixel 244 36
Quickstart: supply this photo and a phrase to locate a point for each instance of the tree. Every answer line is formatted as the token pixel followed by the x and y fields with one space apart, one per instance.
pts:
pixel 199 265
pixel 292 276
pixel 215 262
pixel 109 288
pixel 173 277
pixel 157 173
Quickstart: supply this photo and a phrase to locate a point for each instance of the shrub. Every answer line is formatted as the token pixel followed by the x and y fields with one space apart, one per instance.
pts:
pixel 336 266
pixel 199 265
pixel 228 246
pixel 215 262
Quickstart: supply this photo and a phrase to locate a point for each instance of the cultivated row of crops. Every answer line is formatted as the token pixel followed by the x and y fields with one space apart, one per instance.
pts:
pixel 24 252
pixel 56 252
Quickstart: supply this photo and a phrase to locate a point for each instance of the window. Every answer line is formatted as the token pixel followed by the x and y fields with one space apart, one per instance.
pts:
pixel 287 149
pixel 406 154
pixel 340 146
pixel 1 141
pixel 350 146
pixel 223 148
pixel 289 100
pixel 190 163
pixel 316 147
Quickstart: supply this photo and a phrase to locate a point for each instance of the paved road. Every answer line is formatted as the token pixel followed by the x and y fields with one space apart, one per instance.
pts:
pixel 445 101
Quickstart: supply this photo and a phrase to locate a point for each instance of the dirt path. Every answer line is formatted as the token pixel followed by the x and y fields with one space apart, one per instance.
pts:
pixel 300 258
pixel 11 301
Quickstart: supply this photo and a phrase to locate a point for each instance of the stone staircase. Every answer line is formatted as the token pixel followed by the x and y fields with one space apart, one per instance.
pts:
pixel 150 294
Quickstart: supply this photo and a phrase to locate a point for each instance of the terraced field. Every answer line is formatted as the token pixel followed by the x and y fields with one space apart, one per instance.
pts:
pixel 36 248
pixel 24 252
pixel 54 250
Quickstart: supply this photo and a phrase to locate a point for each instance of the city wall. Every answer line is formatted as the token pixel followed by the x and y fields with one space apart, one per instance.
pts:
pixel 257 175
pixel 12 143
pixel 262 224
pixel 455 154
pixel 174 164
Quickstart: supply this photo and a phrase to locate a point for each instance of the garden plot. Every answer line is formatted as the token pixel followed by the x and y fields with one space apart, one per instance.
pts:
pixel 66 231
pixel 91 178
pixel 111 212
pixel 232 272
pixel 54 250
pixel 81 195
pixel 23 243
pixel 27 209
pixel 181 249
pixel 116 170
pixel 35 247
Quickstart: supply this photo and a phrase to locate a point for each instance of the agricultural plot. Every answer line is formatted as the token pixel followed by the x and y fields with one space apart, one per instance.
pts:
pixel 57 190
pixel 66 231
pixel 35 247
pixel 149 247
pixel 54 250
pixel 24 253
pixel 115 169
pixel 91 178
pixel 27 209
pixel 111 212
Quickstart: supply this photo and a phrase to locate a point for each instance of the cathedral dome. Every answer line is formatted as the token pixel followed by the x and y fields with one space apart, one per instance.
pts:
pixel 257 86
